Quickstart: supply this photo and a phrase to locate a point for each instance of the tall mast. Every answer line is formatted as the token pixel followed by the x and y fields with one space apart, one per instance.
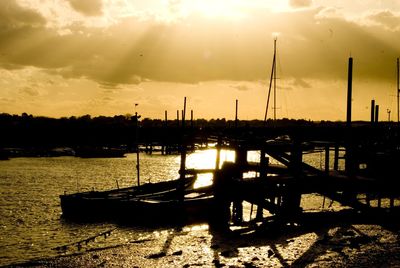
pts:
pixel 275 80
pixel 182 170
pixel 137 146
pixel 272 78
pixel 398 89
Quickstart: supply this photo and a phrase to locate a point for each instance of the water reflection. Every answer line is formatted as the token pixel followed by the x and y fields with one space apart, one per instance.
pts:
pixel 30 224
pixel 206 159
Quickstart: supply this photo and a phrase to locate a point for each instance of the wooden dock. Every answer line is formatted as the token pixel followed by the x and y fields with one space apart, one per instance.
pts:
pixel 368 179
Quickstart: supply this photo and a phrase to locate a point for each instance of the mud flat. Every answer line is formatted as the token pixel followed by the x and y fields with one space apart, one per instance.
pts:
pixel 337 245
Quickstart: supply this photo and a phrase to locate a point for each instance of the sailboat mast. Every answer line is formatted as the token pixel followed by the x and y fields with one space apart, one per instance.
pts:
pixel 398 89
pixel 182 170
pixel 137 149
pixel 275 79
pixel 270 81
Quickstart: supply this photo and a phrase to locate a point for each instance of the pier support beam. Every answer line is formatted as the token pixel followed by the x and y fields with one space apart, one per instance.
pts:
pixel 292 199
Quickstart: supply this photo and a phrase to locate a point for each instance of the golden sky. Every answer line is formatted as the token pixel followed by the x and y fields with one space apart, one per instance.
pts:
pixel 99 57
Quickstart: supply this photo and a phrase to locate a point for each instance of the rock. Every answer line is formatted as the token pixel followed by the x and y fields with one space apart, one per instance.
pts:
pixel 214 246
pixel 156 255
pixel 270 253
pixel 177 253
pixel 229 253
pixel 249 265
pixel 217 263
pixel 348 233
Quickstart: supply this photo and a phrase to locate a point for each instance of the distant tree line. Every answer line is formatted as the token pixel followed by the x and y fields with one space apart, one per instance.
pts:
pixel 26 130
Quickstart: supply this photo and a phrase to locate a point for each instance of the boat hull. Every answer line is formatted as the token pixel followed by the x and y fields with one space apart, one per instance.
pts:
pixel 151 203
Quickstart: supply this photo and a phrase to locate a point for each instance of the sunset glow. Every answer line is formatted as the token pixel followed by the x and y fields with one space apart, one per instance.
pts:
pixel 63 58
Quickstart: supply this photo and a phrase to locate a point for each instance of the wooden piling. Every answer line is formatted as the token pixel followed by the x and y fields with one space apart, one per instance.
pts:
pixel 327 159
pixel 349 91
pixel 336 157
pixel 372 111
pixel 236 114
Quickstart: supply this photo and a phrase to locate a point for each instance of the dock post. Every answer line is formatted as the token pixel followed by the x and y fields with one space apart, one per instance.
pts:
pixel 336 160
pixel 218 156
pixel 391 201
pixel 350 163
pixel 376 114
pixel 236 114
pixel 263 174
pixel 349 91
pixel 164 143
pixel 368 199
pixel 372 111
pixel 221 213
pixel 327 160
pixel 241 160
pixel 292 199
pixel 191 119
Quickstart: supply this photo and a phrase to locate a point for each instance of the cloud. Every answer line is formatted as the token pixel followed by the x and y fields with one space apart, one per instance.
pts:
pixel 28 91
pixel 314 44
pixel 87 7
pixel 300 3
pixel 385 18
pixel 301 83
pixel 7 101
pixel 241 87
pixel 14 16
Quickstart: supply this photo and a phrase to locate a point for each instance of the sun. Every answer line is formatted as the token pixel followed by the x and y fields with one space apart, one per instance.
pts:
pixel 232 9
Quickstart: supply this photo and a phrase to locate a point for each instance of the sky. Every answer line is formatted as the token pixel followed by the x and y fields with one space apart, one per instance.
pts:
pixel 99 57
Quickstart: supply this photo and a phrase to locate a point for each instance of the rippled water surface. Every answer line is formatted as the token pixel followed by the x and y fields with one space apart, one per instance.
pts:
pixel 30 223
pixel 29 199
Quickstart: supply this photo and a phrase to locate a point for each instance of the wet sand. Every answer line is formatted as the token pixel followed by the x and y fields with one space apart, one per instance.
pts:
pixel 336 245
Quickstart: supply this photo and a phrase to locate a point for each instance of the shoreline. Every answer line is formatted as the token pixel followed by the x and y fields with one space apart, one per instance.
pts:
pixel 336 245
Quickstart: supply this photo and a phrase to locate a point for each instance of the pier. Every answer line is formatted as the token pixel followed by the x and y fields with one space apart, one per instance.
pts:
pixel 358 170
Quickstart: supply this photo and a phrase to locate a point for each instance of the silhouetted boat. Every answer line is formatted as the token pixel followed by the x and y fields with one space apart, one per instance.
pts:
pixel 99 152
pixel 4 155
pixel 150 203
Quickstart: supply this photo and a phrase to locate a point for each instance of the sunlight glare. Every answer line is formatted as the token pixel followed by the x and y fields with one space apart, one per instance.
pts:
pixel 233 9
pixel 206 159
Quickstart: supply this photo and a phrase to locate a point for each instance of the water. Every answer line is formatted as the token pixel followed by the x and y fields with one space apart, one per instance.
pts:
pixel 30 222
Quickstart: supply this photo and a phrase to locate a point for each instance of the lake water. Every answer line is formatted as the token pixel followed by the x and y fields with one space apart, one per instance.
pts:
pixel 30 215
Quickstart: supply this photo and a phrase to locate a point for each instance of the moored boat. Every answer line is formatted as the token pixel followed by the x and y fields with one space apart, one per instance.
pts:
pixel 151 203
pixel 99 152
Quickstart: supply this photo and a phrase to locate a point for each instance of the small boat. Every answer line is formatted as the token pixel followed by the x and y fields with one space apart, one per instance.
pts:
pixel 4 155
pixel 156 203
pixel 99 152
pixel 152 203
